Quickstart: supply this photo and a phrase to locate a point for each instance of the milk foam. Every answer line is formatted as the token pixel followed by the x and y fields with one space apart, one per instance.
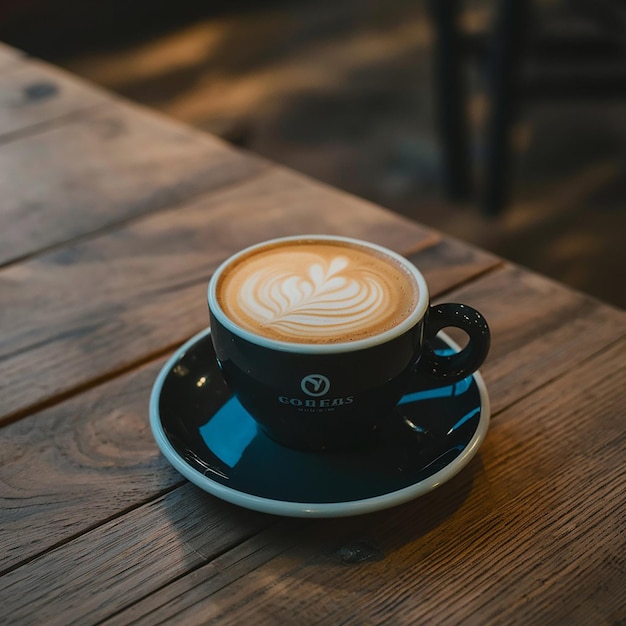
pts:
pixel 317 293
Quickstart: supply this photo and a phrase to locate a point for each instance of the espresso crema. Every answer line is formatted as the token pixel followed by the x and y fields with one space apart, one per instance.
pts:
pixel 316 291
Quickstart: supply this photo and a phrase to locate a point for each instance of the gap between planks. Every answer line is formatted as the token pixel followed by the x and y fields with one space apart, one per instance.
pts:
pixel 505 407
pixel 294 526
pixel 66 540
pixel 63 120
pixel 112 227
pixel 58 398
pixel 498 265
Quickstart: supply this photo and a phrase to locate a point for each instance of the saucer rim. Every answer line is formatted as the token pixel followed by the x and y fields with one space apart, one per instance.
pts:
pixel 292 508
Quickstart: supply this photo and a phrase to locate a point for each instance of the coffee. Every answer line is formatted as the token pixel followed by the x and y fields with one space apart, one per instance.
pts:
pixel 317 291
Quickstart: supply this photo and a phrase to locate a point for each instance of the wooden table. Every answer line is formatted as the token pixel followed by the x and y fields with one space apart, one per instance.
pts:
pixel 111 222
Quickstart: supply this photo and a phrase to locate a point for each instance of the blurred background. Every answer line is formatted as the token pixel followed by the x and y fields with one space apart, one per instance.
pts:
pixel 500 122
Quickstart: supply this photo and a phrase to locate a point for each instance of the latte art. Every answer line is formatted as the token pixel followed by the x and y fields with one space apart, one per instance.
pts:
pixel 317 292
pixel 315 298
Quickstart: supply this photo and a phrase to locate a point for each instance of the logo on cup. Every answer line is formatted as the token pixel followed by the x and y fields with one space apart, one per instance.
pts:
pixel 315 385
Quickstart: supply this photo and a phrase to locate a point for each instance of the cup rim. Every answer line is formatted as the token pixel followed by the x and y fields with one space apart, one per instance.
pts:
pixel 409 322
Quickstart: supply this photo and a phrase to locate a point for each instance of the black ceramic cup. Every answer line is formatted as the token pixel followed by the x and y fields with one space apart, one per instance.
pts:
pixel 324 396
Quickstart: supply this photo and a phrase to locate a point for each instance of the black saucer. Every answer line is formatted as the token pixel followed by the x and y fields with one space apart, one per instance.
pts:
pixel 210 439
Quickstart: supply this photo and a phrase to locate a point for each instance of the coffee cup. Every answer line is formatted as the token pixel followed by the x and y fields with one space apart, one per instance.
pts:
pixel 318 336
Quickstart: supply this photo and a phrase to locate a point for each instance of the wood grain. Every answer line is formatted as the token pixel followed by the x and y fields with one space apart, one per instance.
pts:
pixel 540 329
pixel 530 533
pixel 78 464
pixel 93 456
pixel 110 165
pixel 33 94
pixel 89 309
pixel 166 538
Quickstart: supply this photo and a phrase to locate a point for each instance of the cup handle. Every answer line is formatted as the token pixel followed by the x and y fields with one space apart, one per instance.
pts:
pixel 451 369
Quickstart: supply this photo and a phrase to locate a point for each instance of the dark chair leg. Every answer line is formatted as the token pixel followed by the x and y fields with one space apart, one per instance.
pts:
pixel 450 98
pixel 505 56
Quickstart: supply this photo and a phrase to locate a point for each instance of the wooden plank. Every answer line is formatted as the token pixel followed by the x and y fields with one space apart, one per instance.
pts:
pixel 530 533
pixel 89 309
pixel 449 263
pixel 540 329
pixel 77 464
pixel 109 166
pixel 174 534
pixel 33 94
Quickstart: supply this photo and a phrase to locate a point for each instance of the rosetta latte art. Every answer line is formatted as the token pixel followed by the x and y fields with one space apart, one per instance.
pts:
pixel 323 298
pixel 316 292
